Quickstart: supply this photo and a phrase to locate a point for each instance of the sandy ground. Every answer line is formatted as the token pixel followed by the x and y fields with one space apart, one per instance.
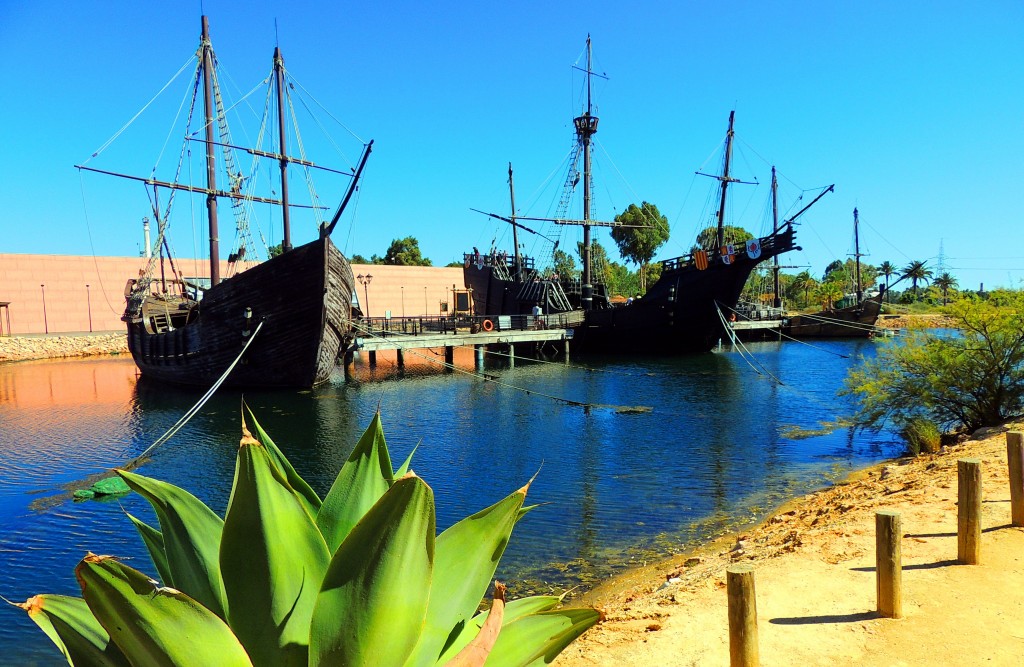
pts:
pixel 814 566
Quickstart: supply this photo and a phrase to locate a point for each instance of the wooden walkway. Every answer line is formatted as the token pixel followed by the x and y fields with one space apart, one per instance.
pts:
pixel 505 332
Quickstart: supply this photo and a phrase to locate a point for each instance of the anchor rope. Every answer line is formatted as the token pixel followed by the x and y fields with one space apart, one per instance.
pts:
pixel 178 425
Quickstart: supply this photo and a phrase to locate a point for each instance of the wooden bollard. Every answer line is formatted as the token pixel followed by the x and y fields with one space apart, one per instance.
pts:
pixel 969 511
pixel 1015 460
pixel 889 564
pixel 742 616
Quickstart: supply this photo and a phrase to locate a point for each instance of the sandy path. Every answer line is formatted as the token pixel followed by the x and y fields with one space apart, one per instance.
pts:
pixel 814 568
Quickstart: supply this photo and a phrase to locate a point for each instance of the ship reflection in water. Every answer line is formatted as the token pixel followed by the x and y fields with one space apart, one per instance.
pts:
pixel 707 451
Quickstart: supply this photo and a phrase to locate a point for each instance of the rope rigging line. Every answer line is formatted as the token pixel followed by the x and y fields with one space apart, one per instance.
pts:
pixel 736 342
pixel 51 501
pixel 490 378
pixel 178 425
pixel 111 140
pixel 802 342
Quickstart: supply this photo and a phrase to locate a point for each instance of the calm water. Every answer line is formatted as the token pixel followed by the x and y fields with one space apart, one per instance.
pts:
pixel 617 487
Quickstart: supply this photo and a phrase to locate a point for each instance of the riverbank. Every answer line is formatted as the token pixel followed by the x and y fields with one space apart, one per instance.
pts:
pixel 917 321
pixel 815 580
pixel 57 346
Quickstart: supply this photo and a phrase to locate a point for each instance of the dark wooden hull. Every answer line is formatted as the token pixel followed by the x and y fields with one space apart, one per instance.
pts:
pixel 302 297
pixel 851 322
pixel 678 315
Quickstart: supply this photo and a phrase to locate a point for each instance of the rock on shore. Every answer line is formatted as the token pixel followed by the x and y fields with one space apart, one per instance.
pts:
pixel 23 348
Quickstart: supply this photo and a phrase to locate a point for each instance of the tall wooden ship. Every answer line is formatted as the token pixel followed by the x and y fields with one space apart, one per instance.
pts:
pixel 682 312
pixel 855 319
pixel 290 314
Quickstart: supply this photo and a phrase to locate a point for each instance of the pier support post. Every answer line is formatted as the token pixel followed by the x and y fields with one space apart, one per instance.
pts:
pixel 449 358
pixel 479 350
pixel 1015 460
pixel 373 358
pixel 969 511
pixel 401 359
pixel 889 564
pixel 566 351
pixel 511 355
pixel 743 651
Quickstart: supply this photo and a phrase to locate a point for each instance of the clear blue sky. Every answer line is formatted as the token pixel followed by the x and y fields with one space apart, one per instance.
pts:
pixel 915 110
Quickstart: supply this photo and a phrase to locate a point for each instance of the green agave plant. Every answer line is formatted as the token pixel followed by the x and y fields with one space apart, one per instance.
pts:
pixel 285 578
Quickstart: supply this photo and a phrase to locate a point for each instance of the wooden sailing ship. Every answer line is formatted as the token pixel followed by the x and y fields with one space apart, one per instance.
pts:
pixel 682 312
pixel 856 320
pixel 291 314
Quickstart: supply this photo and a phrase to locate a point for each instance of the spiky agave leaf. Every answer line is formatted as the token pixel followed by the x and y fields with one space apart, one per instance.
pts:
pixel 374 597
pixel 466 557
pixel 191 533
pixel 70 624
pixel 154 541
pixel 475 653
pixel 273 560
pixel 155 626
pixel 362 481
pixel 303 489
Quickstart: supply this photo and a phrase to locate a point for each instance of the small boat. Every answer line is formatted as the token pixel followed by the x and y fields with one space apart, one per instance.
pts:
pixel 854 316
pixel 290 314
pixel 684 311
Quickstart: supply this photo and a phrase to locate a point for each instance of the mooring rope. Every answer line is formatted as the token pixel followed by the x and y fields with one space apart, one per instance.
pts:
pixel 178 425
pixel 736 342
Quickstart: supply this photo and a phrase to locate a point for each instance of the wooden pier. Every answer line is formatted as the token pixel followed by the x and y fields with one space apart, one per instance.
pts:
pixel 505 332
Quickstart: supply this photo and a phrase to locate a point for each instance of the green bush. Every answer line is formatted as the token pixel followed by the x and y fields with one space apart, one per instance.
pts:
pixel 923 436
pixel 968 380
pixel 285 578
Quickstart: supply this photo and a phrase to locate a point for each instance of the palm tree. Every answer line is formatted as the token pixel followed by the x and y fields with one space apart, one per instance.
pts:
pixel 917 271
pixel 945 282
pixel 829 293
pixel 887 269
pixel 805 283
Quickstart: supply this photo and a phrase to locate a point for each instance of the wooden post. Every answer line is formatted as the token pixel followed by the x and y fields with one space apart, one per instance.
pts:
pixel 373 359
pixel 566 351
pixel 401 359
pixel 743 650
pixel 511 355
pixel 889 564
pixel 1015 459
pixel 969 511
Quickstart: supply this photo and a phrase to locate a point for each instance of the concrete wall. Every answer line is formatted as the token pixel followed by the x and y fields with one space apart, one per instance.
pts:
pixel 75 288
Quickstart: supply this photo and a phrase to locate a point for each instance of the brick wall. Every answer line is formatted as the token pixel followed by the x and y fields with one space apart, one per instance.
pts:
pixel 60 281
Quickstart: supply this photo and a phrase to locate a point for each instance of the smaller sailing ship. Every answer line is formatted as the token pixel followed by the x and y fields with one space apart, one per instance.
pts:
pixel 291 315
pixel 855 319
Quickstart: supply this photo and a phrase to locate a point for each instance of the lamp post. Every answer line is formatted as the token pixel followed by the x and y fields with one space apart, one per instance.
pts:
pixel 88 300
pixel 46 325
pixel 365 282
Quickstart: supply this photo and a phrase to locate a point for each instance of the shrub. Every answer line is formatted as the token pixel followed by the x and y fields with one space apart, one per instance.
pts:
pixel 285 578
pixel 972 379
pixel 922 436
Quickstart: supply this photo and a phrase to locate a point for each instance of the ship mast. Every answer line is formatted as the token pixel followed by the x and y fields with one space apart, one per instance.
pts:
pixel 724 178
pixel 777 300
pixel 586 127
pixel 516 267
pixel 211 170
pixel 286 241
pixel 856 254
